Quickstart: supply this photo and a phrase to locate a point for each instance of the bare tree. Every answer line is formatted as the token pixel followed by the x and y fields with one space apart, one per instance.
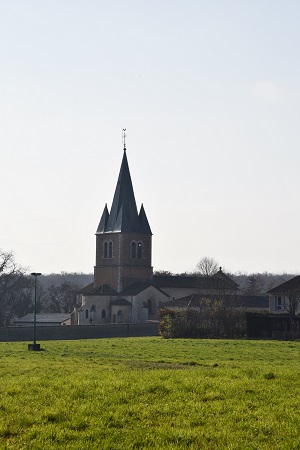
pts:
pixel 291 305
pixel 207 266
pixel 15 289
pixel 162 273
pixel 60 299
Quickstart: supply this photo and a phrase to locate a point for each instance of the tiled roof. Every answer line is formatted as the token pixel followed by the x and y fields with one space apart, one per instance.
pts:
pixel 291 285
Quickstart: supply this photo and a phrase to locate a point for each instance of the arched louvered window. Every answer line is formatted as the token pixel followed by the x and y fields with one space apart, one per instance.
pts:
pixel 136 249
pixel 105 249
pixel 133 249
pixel 139 250
pixel 103 314
pixel 110 249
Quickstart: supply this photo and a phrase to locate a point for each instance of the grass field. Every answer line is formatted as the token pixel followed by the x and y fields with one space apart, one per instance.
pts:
pixel 150 393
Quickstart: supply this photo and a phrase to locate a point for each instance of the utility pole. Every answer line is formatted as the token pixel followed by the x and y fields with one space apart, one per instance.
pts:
pixel 34 346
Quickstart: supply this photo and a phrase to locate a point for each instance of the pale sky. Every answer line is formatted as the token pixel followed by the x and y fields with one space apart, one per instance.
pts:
pixel 209 92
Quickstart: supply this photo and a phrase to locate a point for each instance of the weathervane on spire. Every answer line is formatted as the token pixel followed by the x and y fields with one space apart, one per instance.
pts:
pixel 124 136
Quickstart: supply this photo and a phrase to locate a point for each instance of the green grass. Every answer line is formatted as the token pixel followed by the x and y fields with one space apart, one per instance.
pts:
pixel 150 393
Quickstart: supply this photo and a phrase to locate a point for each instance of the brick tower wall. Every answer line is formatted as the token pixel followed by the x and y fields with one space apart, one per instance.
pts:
pixel 122 270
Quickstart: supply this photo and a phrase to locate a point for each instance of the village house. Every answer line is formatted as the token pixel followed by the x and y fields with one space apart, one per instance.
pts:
pixel 285 298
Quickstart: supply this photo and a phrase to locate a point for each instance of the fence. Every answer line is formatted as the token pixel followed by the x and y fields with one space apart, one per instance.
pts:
pixel 276 326
pixel 75 332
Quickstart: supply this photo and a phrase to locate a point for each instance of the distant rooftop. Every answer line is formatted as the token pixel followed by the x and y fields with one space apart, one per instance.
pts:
pixel 44 318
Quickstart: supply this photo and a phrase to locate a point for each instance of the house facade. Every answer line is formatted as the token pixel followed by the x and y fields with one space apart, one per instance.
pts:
pixel 285 298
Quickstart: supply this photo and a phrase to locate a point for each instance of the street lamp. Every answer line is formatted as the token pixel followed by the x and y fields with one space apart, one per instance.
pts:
pixel 34 346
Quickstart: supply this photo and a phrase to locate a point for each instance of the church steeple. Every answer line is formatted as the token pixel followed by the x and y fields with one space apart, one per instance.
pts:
pixel 123 216
pixel 123 254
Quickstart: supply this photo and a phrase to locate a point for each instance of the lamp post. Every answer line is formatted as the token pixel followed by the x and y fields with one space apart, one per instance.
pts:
pixel 34 346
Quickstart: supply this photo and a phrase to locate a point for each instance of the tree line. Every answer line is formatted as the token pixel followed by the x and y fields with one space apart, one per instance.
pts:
pixel 220 315
pixel 250 284
pixel 57 293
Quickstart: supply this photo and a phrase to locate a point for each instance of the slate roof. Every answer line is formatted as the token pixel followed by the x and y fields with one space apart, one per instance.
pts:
pixel 253 301
pixel 291 285
pixel 44 318
pixel 133 289
pixel 195 282
pixel 123 216
pixel 136 288
pixel 121 302
pixel 195 300
pixel 221 275
pixel 104 289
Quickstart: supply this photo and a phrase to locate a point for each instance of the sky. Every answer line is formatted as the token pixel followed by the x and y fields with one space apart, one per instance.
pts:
pixel 209 94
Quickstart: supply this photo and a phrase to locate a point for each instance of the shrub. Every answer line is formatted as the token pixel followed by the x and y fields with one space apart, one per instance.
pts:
pixel 214 319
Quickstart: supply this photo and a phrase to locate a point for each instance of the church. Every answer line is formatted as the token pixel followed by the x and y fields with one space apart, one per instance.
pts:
pixel 124 289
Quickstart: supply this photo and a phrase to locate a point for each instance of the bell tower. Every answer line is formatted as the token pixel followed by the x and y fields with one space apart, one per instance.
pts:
pixel 123 238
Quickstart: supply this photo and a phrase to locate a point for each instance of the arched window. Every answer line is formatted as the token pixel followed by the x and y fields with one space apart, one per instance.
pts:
pixel 136 249
pixel 139 250
pixel 110 249
pixel 103 314
pixel 86 313
pixel 105 250
pixel 133 249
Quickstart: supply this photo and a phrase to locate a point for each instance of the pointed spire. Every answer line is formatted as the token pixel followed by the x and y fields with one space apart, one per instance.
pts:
pixel 123 216
pixel 103 221
pixel 145 227
pixel 124 202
